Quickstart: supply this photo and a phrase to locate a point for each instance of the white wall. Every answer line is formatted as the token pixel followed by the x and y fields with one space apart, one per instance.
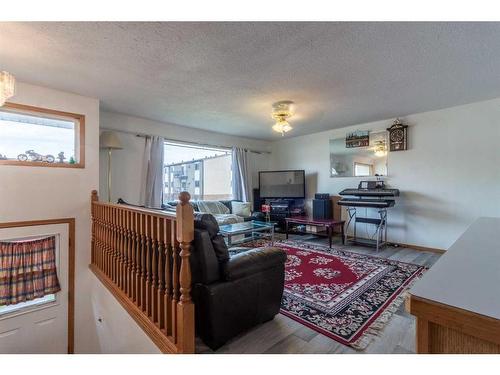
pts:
pixel 449 176
pixel 126 170
pixel 117 332
pixel 36 193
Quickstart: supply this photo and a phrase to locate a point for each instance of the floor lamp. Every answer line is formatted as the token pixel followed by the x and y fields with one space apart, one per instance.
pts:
pixel 110 141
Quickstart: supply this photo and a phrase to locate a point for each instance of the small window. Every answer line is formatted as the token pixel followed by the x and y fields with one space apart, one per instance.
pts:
pixel 31 136
pixel 362 170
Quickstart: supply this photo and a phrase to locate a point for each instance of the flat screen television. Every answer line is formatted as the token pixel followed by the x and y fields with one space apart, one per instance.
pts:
pixel 282 184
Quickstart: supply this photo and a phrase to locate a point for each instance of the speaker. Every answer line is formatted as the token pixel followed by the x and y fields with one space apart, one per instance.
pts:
pixel 321 196
pixel 257 203
pixel 322 209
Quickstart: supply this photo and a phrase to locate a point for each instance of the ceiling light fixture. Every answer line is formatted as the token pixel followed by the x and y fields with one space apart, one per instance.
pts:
pixel 282 111
pixel 7 86
pixel 380 148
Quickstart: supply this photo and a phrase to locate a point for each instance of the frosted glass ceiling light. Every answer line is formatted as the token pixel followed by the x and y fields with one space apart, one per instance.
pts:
pixel 380 148
pixel 282 110
pixel 7 86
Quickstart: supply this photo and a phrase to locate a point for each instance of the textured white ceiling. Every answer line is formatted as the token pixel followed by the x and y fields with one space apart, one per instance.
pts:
pixel 225 76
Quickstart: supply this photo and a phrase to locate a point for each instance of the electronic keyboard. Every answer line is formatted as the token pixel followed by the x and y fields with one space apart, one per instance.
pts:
pixel 370 203
pixel 371 192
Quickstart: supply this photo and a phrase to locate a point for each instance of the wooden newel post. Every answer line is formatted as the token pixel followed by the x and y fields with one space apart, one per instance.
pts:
pixel 185 307
pixel 93 196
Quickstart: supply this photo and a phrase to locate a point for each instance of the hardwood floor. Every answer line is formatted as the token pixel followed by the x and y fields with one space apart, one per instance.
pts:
pixel 283 335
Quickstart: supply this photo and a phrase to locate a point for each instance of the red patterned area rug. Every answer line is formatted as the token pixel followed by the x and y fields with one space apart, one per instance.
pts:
pixel 344 295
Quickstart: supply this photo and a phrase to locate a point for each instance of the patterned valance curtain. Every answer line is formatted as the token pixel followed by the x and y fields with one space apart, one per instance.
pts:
pixel 27 270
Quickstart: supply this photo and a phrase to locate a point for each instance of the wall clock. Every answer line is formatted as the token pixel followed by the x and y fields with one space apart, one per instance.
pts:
pixel 398 136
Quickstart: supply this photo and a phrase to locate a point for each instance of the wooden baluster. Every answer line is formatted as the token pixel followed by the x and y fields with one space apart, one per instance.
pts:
pixel 106 241
pixel 132 257
pixel 111 232
pixel 185 307
pixel 129 254
pixel 123 250
pixel 116 220
pixel 109 242
pixel 161 273
pixel 137 280
pixel 175 278
pixel 143 264
pixel 116 223
pixel 100 249
pixel 95 228
pixel 102 239
pixel 93 255
pixel 99 236
pixel 93 199
pixel 137 240
pixel 113 245
pixel 130 235
pixel 148 265
pixel 118 248
pixel 139 260
pixel 154 268
pixel 105 230
pixel 168 276
pixel 111 239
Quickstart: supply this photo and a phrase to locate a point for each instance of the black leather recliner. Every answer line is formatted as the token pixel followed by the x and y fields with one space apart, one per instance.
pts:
pixel 232 293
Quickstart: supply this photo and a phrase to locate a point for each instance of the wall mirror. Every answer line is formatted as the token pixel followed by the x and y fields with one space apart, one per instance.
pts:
pixel 359 154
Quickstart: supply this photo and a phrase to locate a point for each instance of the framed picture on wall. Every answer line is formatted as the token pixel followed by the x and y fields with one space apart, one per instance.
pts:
pixel 357 139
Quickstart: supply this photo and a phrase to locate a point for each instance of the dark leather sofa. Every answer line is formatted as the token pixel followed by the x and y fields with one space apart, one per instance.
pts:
pixel 232 293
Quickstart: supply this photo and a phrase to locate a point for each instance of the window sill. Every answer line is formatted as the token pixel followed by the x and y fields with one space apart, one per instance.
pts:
pixel 41 164
pixel 31 307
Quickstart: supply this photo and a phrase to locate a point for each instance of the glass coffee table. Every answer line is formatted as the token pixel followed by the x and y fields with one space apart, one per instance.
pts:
pixel 256 230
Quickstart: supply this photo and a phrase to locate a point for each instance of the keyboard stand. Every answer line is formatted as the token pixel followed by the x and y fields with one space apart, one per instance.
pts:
pixel 381 231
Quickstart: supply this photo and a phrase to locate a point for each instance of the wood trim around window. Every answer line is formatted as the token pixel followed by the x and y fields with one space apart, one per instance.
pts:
pixel 71 267
pixel 80 133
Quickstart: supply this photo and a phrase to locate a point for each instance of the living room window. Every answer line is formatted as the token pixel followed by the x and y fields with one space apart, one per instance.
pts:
pixel 204 172
pixel 362 169
pixel 31 136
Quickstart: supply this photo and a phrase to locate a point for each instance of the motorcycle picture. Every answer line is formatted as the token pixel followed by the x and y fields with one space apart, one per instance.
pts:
pixel 34 156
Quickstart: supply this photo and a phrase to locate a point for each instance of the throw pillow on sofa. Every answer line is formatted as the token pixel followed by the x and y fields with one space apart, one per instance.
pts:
pixel 243 209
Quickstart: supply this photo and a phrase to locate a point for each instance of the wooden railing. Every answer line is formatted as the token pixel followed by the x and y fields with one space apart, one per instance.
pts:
pixel 142 256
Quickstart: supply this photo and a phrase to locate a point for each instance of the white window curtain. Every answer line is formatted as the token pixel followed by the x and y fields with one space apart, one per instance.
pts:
pixel 152 187
pixel 240 175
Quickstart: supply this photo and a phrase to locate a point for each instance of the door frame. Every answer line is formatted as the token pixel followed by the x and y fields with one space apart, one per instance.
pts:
pixel 71 266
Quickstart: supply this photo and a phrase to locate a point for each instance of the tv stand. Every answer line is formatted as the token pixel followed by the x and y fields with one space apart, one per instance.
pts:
pixel 284 208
